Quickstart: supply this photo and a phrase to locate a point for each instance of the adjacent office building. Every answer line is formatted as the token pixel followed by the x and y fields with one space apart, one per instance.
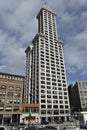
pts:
pixel 78 96
pixel 11 92
pixel 45 80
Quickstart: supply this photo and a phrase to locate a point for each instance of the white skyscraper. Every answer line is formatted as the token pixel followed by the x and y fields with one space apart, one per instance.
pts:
pixel 45 82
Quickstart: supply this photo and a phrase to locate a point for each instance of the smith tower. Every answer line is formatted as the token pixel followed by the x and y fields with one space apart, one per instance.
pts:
pixel 45 70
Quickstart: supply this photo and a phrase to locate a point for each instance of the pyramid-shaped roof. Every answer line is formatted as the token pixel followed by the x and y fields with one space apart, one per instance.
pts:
pixel 46 7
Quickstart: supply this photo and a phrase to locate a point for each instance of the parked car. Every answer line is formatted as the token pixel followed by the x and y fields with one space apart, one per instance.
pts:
pixel 47 128
pixel 50 128
pixel 83 127
pixel 21 127
pixel 2 128
pixel 30 128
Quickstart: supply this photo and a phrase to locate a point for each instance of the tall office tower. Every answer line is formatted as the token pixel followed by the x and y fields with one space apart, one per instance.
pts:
pixel 45 70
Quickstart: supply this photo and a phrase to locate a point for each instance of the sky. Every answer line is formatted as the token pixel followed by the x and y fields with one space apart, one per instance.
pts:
pixel 18 26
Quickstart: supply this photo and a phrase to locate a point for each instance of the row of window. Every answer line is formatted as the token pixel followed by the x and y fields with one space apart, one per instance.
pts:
pixel 9 101
pixel 9 108
pixel 54 92
pixel 10 94
pixel 82 83
pixel 51 45
pixel 54 112
pixel 53 83
pixel 53 78
pixel 55 101
pixel 10 87
pixel 54 97
pixel 55 106
pixel 53 88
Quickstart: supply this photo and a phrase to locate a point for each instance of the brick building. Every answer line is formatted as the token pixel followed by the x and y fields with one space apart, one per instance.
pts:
pixel 11 92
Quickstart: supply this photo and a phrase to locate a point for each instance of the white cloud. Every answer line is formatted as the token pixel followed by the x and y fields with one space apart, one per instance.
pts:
pixel 18 26
pixel 77 3
pixel 76 53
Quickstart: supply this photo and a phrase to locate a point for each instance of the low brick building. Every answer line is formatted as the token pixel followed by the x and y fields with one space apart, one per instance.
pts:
pixel 11 92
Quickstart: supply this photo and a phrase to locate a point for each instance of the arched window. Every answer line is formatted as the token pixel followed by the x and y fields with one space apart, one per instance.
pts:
pixel 18 88
pixel 11 87
pixel 3 87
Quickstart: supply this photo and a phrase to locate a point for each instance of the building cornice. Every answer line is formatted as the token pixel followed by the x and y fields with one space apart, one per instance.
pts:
pixel 60 42
pixel 9 74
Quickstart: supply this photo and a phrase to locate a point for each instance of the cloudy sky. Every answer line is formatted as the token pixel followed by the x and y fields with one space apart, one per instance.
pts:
pixel 18 26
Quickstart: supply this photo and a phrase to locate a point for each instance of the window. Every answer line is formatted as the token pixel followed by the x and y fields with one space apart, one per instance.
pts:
pixel 11 88
pixel 42 101
pixel 55 106
pixel 48 96
pixel 8 108
pixel 18 88
pixel 42 91
pixel 56 112
pixel 43 106
pixel 3 87
pixel 49 106
pixel 42 96
pixel 55 97
pixel 61 111
pixel 16 108
pixel 43 112
pixel 54 92
pixel 0 93
pixel 10 94
pixel 17 94
pixel 66 106
pixel 42 82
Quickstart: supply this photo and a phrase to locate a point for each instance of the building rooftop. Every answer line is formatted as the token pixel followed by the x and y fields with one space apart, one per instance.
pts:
pixel 9 74
pixel 46 7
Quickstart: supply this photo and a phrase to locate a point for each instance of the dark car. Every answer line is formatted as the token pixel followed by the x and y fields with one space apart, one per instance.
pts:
pixel 83 127
pixel 50 128
pixel 47 128
pixel 30 128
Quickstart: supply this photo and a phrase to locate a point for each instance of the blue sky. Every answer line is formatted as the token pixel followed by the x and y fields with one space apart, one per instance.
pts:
pixel 18 26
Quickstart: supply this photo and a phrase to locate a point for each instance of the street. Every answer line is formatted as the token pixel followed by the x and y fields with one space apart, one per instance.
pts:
pixel 58 126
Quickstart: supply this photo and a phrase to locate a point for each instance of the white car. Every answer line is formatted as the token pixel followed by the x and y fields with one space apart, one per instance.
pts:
pixel 2 127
